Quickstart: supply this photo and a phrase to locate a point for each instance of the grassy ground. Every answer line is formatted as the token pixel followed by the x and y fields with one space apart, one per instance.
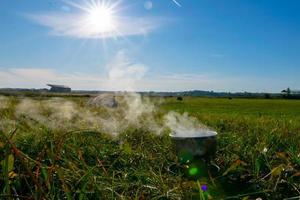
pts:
pixel 46 155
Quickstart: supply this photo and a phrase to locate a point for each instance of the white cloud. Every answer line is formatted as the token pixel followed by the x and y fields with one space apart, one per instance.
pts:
pixel 38 78
pixel 75 25
pixel 123 73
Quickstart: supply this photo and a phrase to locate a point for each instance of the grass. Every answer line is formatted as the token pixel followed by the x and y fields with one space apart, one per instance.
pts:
pixel 75 158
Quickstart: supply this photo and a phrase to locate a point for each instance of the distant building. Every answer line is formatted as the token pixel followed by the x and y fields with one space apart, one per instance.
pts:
pixel 59 88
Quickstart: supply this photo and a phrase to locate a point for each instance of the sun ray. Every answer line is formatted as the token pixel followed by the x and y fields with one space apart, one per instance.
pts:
pixel 75 5
pixel 96 19
pixel 177 3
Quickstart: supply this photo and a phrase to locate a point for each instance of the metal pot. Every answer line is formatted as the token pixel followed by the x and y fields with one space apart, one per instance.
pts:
pixel 199 146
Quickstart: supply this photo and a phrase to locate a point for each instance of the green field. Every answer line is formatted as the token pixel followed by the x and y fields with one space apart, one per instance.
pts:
pixel 64 149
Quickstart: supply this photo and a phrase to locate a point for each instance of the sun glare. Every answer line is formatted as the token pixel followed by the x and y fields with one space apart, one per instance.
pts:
pixel 100 20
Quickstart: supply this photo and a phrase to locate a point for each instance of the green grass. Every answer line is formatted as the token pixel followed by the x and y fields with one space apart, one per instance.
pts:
pixel 258 153
pixel 242 107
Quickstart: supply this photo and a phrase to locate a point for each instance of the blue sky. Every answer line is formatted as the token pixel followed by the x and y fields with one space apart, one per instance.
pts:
pixel 221 45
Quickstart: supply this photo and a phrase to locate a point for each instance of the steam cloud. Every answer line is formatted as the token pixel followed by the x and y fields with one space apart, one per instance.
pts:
pixel 186 126
pixel 123 73
pixel 133 110
pixel 3 102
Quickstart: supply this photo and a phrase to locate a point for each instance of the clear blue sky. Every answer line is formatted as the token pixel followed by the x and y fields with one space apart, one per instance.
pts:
pixel 221 45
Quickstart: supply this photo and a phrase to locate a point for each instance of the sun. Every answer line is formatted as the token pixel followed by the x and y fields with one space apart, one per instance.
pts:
pixel 97 19
pixel 100 19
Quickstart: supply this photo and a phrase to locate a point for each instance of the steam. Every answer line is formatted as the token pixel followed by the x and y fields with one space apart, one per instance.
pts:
pixel 30 108
pixel 136 106
pixel 53 114
pixel 123 73
pixel 131 109
pixel 59 114
pixel 138 111
pixel 63 110
pixel 186 126
pixel 3 102
pixel 6 125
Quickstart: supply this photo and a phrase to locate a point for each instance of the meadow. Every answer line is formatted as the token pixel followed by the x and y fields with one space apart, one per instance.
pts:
pixel 61 148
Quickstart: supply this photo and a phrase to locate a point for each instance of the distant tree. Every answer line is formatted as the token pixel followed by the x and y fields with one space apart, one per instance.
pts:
pixel 288 92
pixel 179 98
pixel 267 96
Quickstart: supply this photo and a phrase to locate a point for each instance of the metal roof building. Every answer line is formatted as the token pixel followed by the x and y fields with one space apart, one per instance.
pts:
pixel 59 88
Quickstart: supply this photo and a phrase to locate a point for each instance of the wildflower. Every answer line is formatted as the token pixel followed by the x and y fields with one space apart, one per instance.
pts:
pixel 265 150
pixel 204 188
pixel 12 174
